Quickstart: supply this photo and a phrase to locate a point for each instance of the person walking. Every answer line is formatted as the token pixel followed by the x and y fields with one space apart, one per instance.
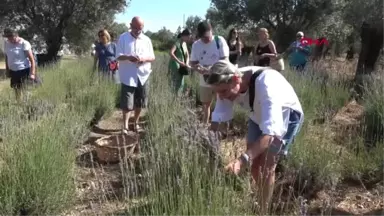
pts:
pixel 234 44
pixel 20 63
pixel 105 55
pixel 179 62
pixel 135 55
pixel 265 49
pixel 275 118
pixel 206 51
pixel 298 53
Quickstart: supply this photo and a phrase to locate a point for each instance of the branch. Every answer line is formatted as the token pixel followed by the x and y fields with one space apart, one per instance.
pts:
pixel 269 23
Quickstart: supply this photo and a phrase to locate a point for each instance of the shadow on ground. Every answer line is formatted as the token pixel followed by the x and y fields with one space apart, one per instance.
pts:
pixel 2 74
pixel 339 212
pixel 140 209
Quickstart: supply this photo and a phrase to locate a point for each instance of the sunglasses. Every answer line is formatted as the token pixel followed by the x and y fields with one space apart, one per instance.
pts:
pixel 101 35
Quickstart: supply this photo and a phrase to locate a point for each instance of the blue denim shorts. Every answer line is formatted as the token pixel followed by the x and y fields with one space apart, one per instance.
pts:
pixel 294 126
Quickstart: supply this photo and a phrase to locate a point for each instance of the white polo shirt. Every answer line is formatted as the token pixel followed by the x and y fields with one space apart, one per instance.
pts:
pixel 130 72
pixel 274 97
pixel 207 54
pixel 17 57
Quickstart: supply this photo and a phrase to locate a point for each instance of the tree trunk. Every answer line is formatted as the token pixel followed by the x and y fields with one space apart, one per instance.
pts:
pixel 283 37
pixel 54 41
pixel 371 44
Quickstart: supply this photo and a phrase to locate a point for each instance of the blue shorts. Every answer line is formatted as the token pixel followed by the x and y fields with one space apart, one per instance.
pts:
pixel 294 126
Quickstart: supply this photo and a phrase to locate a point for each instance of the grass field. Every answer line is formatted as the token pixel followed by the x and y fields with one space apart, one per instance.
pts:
pixel 39 172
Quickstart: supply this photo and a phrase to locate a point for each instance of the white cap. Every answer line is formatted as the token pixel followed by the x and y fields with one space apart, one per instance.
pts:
pixel 300 33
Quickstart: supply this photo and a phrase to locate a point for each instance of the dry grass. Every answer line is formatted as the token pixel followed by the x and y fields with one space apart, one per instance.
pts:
pixel 174 175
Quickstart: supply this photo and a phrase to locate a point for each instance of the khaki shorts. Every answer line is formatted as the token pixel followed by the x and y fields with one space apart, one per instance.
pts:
pixel 206 94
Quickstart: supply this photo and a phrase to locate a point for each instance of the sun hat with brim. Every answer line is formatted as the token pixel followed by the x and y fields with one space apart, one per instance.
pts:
pixel 9 33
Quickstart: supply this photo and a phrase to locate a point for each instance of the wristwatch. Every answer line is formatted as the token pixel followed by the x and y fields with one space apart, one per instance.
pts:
pixel 245 158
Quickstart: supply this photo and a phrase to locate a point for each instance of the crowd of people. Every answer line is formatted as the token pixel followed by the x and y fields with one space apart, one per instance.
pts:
pixel 275 112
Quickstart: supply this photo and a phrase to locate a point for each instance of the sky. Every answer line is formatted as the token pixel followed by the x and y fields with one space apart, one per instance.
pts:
pixel 159 13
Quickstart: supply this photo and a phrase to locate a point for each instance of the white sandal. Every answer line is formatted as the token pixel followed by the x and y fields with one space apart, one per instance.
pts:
pixel 125 131
pixel 138 128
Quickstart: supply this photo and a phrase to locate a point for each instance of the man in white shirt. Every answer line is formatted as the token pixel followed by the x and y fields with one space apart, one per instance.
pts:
pixel 275 117
pixel 135 53
pixel 20 63
pixel 205 52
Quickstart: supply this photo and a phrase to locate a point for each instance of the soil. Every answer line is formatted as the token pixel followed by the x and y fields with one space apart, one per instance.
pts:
pixel 100 190
pixel 348 198
pixel 99 186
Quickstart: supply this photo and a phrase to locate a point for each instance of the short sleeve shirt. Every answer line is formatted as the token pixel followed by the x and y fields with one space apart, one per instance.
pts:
pixel 17 54
pixel 106 53
pixel 208 54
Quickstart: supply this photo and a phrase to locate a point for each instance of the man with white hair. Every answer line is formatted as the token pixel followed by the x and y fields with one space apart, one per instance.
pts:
pixel 299 52
pixel 275 117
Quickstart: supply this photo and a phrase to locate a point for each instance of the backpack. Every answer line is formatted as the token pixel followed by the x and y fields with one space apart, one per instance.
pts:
pixel 252 87
pixel 217 42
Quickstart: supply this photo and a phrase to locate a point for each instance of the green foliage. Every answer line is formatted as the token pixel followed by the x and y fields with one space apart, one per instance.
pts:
pixel 52 21
pixel 117 29
pixel 192 22
pixel 356 12
pixel 281 17
pixel 162 40
pixel 39 138
pixel 37 155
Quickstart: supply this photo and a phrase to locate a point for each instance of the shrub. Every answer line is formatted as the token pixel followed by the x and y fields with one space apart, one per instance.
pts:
pixel 38 154
pixel 179 170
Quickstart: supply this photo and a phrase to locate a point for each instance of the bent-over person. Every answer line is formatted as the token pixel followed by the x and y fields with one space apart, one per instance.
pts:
pixel 275 118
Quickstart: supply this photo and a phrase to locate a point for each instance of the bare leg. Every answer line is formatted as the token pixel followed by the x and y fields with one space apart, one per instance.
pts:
pixel 126 116
pixel 137 117
pixel 206 112
pixel 18 95
pixel 263 172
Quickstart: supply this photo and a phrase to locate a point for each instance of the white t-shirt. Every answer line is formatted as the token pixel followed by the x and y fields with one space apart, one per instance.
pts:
pixel 17 56
pixel 130 72
pixel 208 54
pixel 274 97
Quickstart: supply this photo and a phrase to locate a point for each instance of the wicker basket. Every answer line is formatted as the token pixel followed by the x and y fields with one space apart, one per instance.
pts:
pixel 112 149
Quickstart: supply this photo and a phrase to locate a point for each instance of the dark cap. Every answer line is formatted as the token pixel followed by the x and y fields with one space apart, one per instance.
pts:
pixel 202 28
pixel 9 32
pixel 185 32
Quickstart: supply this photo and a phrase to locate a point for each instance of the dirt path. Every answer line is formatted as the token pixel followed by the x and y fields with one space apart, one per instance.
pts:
pixel 99 187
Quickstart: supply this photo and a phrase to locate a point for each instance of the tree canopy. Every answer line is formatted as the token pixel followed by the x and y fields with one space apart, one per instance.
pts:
pixel 59 21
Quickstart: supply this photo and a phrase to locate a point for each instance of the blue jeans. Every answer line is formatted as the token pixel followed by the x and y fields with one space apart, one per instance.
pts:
pixel 294 126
